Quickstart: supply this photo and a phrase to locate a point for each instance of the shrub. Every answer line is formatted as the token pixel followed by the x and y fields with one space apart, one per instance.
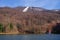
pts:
pixel 1 27
pixel 11 26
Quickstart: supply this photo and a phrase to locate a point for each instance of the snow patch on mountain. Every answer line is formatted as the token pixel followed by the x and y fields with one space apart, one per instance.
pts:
pixel 25 9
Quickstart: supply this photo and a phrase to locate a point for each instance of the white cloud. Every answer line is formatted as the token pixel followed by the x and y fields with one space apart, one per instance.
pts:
pixel 29 2
pixel 49 4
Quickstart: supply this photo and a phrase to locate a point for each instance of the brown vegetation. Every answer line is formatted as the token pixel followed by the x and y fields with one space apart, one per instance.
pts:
pixel 30 22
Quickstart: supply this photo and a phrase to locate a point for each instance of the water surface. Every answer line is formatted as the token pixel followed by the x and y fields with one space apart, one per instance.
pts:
pixel 30 37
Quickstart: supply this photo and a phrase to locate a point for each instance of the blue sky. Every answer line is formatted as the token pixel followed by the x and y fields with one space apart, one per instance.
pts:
pixel 48 4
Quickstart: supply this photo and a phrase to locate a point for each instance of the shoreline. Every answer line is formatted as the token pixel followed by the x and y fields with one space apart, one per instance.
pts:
pixel 8 33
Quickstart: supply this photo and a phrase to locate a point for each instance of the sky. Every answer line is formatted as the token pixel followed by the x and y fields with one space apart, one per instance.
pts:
pixel 47 4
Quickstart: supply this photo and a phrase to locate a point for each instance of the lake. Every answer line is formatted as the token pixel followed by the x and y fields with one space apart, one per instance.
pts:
pixel 30 37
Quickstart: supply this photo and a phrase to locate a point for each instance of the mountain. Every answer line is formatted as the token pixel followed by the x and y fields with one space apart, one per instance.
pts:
pixel 34 21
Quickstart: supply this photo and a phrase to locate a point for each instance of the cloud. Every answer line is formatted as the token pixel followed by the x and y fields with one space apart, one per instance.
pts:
pixel 49 4
pixel 29 2
pixel 35 2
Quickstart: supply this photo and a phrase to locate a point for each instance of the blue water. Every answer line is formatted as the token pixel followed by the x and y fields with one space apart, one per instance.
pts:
pixel 30 37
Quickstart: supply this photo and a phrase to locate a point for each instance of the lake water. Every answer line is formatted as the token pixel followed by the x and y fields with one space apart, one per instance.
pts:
pixel 30 37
